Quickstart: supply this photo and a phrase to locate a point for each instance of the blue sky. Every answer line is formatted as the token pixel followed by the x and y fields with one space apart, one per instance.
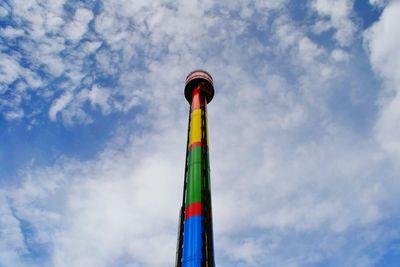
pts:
pixel 303 129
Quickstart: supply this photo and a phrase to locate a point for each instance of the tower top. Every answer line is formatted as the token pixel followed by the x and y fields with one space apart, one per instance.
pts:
pixel 199 77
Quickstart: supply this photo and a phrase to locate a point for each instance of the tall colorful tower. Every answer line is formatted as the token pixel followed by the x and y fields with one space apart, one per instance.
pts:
pixel 195 246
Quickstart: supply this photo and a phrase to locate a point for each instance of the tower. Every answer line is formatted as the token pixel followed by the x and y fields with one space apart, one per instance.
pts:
pixel 195 246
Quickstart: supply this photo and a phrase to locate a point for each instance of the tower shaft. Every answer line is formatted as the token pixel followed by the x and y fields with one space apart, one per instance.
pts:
pixel 195 238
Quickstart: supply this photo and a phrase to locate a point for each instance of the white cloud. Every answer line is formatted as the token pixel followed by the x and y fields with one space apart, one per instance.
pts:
pixel 12 239
pixel 71 107
pixel 80 212
pixel 3 12
pixel 335 15
pixel 100 97
pixel 54 64
pixel 59 105
pixel 90 47
pixel 340 55
pixel 9 69
pixel 77 28
pixel 382 41
pixel 136 33
pixel 379 3
pixel 14 115
pixel 308 50
pixel 11 32
pixel 11 234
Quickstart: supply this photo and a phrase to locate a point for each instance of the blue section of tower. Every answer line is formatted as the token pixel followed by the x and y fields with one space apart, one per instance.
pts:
pixel 192 240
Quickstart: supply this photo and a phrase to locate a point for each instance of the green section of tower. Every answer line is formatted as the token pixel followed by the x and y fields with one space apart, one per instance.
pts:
pixel 195 155
pixel 194 184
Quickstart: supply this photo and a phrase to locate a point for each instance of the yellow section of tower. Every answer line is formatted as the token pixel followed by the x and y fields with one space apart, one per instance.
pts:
pixel 195 126
pixel 207 128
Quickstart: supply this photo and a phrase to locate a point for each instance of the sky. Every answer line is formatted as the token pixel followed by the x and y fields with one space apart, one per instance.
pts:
pixel 304 130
